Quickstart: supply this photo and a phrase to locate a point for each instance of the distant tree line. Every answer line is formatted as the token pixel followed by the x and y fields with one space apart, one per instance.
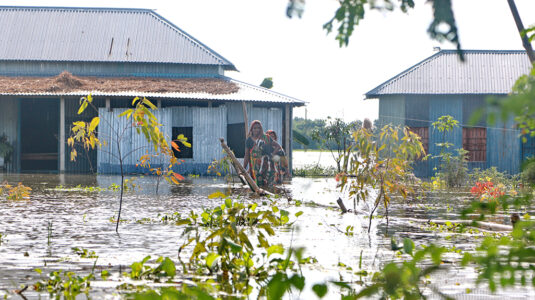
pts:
pixel 324 134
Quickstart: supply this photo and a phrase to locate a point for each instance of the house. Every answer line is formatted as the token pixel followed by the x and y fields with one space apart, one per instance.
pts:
pixel 443 85
pixel 52 56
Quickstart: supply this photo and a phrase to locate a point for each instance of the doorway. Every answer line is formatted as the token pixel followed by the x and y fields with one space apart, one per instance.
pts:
pixel 39 131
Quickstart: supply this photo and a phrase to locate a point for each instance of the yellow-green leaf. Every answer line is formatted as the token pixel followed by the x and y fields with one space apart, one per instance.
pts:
pixel 94 124
pixel 211 259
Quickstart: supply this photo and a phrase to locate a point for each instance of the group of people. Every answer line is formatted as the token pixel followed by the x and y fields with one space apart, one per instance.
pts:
pixel 264 156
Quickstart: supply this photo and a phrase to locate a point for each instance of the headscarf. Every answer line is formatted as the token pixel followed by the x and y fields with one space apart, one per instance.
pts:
pixel 250 133
pixel 271 132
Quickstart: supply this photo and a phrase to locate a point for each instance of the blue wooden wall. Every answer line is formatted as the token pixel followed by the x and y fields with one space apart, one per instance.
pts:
pixel 504 149
pixel 392 110
pixel 441 106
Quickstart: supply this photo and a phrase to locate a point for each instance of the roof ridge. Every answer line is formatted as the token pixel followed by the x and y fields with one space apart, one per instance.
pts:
pixel 73 8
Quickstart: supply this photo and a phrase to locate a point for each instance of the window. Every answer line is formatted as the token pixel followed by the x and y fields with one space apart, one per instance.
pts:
pixel 236 139
pixel 184 152
pixel 423 132
pixel 475 142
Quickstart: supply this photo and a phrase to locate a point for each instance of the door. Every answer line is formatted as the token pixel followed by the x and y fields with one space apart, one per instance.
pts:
pixel 39 135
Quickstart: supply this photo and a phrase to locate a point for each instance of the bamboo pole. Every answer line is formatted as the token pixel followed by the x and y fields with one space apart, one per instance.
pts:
pixel 241 170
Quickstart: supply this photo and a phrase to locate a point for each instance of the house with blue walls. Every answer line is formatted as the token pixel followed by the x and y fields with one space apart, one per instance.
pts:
pixel 52 56
pixel 443 85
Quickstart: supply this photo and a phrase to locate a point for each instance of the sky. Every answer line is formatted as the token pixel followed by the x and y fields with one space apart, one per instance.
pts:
pixel 307 63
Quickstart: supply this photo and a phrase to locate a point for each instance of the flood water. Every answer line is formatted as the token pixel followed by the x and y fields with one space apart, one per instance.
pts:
pixel 41 232
pixel 303 159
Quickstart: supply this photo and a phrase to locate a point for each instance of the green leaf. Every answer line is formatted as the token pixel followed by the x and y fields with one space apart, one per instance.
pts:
pixel 298 281
pixel 38 270
pixel 278 248
pixel 233 246
pixel 297 214
pixel 211 259
pixel 408 246
pixel 320 290
pixel 168 266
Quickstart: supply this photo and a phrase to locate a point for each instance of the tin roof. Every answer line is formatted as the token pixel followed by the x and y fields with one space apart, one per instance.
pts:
pixel 214 89
pixel 98 35
pixel 483 72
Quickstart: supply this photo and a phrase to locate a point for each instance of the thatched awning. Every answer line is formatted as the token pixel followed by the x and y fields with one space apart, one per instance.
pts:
pixel 207 89
pixel 66 82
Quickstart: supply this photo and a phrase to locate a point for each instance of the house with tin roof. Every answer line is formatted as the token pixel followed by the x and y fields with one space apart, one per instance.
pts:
pixel 443 85
pixel 52 56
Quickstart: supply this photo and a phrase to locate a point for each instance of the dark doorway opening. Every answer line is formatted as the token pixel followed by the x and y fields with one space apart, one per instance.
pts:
pixel 236 139
pixel 39 135
pixel 185 152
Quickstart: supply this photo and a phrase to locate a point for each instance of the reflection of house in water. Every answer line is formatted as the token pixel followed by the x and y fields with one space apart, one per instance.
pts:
pixel 116 55
pixel 443 85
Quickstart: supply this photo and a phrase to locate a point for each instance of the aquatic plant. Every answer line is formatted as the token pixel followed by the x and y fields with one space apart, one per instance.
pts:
pixel 17 192
pixel 313 171
pixel 65 283
pixel 84 253
pixel 486 191
pixel 140 270
pixel 223 248
pixel 383 165
pixel 505 260
pixel 402 280
pixel 220 167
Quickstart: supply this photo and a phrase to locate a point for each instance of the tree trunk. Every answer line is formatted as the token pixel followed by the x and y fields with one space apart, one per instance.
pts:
pixel 122 189
pixel 520 27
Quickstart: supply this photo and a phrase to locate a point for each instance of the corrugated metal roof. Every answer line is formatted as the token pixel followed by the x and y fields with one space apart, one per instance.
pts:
pixel 246 92
pixel 100 35
pixel 483 72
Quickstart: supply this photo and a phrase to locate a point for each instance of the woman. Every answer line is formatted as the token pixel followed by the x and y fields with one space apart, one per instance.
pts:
pixel 258 150
pixel 279 161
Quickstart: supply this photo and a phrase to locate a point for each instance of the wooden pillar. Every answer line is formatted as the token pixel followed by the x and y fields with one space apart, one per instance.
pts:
pixel 159 103
pixel 209 103
pixel 245 118
pixel 108 104
pixel 290 144
pixel 62 135
pixel 287 131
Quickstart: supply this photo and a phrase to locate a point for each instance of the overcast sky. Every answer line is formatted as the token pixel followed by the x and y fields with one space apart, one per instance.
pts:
pixel 305 62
